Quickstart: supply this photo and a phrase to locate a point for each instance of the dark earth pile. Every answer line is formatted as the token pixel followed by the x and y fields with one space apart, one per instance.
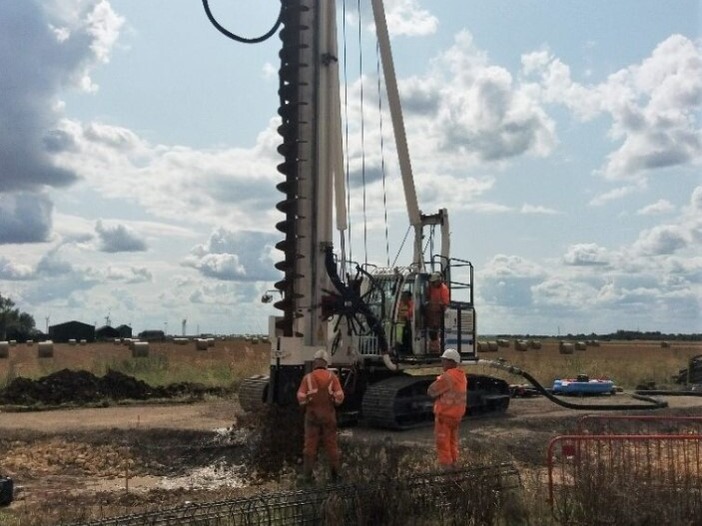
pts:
pixel 66 386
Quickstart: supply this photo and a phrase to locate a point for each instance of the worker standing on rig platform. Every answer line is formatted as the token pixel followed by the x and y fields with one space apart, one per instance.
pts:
pixel 437 302
pixel 320 393
pixel 449 393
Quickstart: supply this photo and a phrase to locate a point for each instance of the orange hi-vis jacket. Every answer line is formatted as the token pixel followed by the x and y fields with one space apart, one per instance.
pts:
pixel 438 295
pixel 320 391
pixel 449 391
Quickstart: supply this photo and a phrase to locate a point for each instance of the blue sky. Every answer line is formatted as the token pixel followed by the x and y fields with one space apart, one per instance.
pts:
pixel 137 158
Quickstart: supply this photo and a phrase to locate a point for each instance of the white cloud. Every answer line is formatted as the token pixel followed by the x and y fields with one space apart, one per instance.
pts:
pixel 585 254
pixel 118 238
pixel 653 106
pixel 662 206
pixel 538 209
pixel 14 271
pixel 25 217
pixel 406 17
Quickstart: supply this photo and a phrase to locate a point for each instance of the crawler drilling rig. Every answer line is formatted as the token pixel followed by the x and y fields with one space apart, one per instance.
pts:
pixel 327 301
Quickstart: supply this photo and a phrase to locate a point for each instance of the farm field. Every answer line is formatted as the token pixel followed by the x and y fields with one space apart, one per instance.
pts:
pixel 74 463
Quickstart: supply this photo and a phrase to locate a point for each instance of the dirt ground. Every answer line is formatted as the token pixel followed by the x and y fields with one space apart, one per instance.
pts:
pixel 70 463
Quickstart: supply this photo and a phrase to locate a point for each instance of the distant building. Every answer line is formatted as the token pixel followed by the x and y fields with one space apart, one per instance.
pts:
pixel 72 330
pixel 125 331
pixel 106 333
pixel 152 336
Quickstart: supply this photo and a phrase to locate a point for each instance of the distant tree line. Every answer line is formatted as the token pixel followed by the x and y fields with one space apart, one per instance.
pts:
pixel 619 335
pixel 14 324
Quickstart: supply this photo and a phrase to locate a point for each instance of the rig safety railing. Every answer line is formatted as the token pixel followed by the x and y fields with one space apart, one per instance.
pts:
pixel 603 479
pixel 422 499
pixel 638 425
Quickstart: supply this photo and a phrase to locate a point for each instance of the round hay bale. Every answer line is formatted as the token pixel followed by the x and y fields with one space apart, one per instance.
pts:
pixel 45 349
pixel 4 349
pixel 13 343
pixel 482 346
pixel 30 343
pixel 534 344
pixel 180 341
pixel 665 345
pixel 521 345
pixel 502 343
pixel 72 341
pixel 84 342
pixel 117 341
pixel 140 349
pixel 566 348
pixel 580 346
pixel 201 344
pixel 492 346
pixel 210 342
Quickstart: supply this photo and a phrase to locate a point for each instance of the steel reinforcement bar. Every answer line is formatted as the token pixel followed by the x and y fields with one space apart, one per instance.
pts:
pixel 418 499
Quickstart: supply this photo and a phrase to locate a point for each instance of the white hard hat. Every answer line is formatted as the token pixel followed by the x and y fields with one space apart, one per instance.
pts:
pixel 435 276
pixel 452 354
pixel 321 354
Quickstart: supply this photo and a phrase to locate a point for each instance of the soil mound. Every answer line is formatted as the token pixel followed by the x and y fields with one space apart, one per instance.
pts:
pixel 81 387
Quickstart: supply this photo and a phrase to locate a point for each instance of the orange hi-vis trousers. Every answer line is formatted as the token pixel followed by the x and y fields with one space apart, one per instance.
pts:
pixel 324 430
pixel 446 434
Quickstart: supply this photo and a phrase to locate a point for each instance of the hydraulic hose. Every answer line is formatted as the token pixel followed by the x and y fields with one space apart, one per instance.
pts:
pixel 651 403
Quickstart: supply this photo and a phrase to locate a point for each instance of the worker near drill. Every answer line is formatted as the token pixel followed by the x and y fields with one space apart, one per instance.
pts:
pixel 437 302
pixel 403 327
pixel 319 394
pixel 449 394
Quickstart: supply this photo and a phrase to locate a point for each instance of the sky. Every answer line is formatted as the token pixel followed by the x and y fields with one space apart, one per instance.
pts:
pixel 138 155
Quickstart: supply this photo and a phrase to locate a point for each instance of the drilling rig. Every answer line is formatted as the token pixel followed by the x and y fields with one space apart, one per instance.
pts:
pixel 327 301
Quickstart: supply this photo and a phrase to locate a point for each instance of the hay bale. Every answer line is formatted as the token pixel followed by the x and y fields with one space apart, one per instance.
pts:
pixel 566 347
pixel 665 345
pixel 4 349
pixel 492 346
pixel 30 343
pixel 140 349
pixel 210 342
pixel 201 344
pixel 521 345
pixel 482 346
pixel 13 343
pixel 72 342
pixel 180 341
pixel 502 343
pixel 45 349
pixel 84 342
pixel 117 341
pixel 534 344
pixel 580 346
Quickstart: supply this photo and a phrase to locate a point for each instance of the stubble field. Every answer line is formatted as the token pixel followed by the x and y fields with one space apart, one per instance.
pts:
pixel 74 463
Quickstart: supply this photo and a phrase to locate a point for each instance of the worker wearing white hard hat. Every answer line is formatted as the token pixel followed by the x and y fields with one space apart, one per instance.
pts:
pixel 449 392
pixel 437 302
pixel 319 393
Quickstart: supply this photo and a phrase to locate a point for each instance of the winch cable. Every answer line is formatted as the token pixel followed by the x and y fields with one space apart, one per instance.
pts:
pixel 382 153
pixel 651 403
pixel 346 130
pixel 233 36
pixel 402 245
pixel 363 132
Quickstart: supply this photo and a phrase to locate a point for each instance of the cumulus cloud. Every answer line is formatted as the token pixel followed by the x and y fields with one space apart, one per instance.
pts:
pixel 653 105
pixel 538 209
pixel 585 254
pixel 128 275
pixel 662 206
pixel 12 271
pixel 118 238
pixel 406 17
pixel 235 256
pixel 67 38
pixel 25 217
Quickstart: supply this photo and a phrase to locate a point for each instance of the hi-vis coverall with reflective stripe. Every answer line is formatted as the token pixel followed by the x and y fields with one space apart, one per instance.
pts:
pixel 320 391
pixel 449 393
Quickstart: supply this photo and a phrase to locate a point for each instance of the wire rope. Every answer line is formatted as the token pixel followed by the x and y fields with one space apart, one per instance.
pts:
pixel 399 250
pixel 346 130
pixel 234 36
pixel 363 133
pixel 382 154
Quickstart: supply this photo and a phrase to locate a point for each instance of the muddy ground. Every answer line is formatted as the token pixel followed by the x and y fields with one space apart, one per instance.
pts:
pixel 70 464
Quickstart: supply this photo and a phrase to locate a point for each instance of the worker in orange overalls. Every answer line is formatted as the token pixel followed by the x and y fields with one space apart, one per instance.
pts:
pixel 449 392
pixel 320 393
pixel 437 302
